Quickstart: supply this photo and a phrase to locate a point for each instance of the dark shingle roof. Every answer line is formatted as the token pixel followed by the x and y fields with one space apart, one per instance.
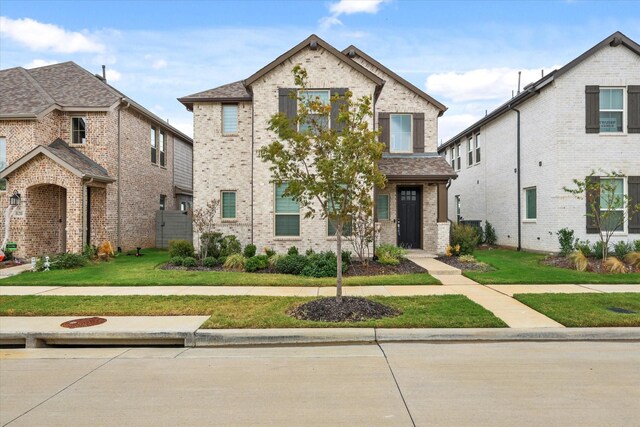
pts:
pixel 20 94
pixel 232 92
pixel 415 166
pixel 77 159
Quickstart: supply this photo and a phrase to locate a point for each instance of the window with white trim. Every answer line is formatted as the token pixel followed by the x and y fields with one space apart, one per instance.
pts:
pixel 458 162
pixel 611 109
pixel 3 162
pixel 78 130
pixel 470 152
pixel 287 213
pixel 163 158
pixel 401 133
pixel 229 119
pixel 612 195
pixel 163 202
pixel 457 206
pixel 453 158
pixel 477 147
pixel 313 96
pixel 228 205
pixel 154 146
pixel 531 202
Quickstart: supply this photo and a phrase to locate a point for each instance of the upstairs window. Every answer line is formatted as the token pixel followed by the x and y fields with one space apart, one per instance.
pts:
pixel 401 133
pixel 228 205
pixel 154 146
pixel 78 130
pixel 611 109
pixel 453 158
pixel 163 158
pixel 312 96
pixel 229 119
pixel 477 147
pixel 3 162
pixel 470 152
pixel 287 213
pixel 458 162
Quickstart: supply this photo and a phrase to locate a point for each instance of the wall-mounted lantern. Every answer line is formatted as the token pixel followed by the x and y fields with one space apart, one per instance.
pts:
pixel 14 200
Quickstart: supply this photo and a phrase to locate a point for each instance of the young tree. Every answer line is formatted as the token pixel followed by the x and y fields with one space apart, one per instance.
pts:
pixel 608 208
pixel 362 233
pixel 326 169
pixel 204 225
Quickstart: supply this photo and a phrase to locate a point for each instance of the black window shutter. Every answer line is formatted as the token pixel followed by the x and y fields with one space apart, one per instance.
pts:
pixel 383 125
pixel 592 196
pixel 335 108
pixel 286 104
pixel 633 104
pixel 592 102
pixel 634 194
pixel 418 132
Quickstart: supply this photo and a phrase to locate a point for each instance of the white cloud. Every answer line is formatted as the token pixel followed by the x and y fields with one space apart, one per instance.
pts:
pixel 349 7
pixel 113 75
pixel 38 36
pixel 158 64
pixel 450 125
pixel 39 63
pixel 481 84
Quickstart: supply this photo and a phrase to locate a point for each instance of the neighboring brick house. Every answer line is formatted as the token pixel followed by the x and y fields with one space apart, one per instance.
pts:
pixel 90 164
pixel 230 126
pixel 582 117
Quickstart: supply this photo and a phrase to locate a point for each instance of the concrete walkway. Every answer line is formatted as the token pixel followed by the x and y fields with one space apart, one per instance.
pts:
pixel 12 271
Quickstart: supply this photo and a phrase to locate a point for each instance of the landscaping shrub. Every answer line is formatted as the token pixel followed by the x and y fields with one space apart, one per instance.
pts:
pixel 466 236
pixel 189 262
pixel 390 254
pixel 256 263
pixel 183 248
pixel 636 245
pixel 176 260
pixel 210 244
pixel 614 265
pixel 269 252
pixel 222 260
pixel 467 259
pixel 597 249
pixel 67 260
pixel 580 261
pixel 229 246
pixel 235 262
pixel 90 251
pixel 346 258
pixel 489 234
pixel 452 250
pixel 293 251
pixel 309 252
pixel 584 246
pixel 622 248
pixel 210 262
pixel 633 258
pixel 566 240
pixel 291 264
pixel 323 264
pixel 273 260
pixel 249 251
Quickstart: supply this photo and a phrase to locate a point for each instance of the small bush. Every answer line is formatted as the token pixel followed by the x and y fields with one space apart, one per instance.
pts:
pixel 256 263
pixel 210 262
pixel 324 264
pixel 597 249
pixel 490 234
pixel 467 259
pixel 614 265
pixel 580 261
pixel 293 251
pixel 391 251
pixel 346 258
pixel 189 262
pixel 183 248
pixel 273 260
pixel 89 251
pixel 309 252
pixel 222 260
pixel 291 264
pixel 235 262
pixel 466 236
pixel 229 246
pixel 636 245
pixel 584 246
pixel 249 251
pixel 67 260
pixel 176 260
pixel 567 241
pixel 452 250
pixel 622 248
pixel 386 259
pixel 269 252
pixel 633 258
pixel 211 242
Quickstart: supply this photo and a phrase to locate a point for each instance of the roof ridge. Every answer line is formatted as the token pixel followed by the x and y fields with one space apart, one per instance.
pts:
pixel 39 88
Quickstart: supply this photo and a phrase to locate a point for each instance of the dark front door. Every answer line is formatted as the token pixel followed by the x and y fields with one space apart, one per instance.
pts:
pixel 409 217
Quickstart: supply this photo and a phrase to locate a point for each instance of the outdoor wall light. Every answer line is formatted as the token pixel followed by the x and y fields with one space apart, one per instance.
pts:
pixel 14 200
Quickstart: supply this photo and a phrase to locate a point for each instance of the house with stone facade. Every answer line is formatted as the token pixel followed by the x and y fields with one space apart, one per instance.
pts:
pixel 230 126
pixel 512 164
pixel 89 164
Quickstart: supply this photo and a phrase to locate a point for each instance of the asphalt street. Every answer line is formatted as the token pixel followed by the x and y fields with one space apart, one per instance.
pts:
pixel 449 384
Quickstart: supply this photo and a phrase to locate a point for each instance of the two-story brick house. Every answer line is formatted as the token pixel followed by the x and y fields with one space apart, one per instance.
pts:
pixel 512 164
pixel 230 126
pixel 89 164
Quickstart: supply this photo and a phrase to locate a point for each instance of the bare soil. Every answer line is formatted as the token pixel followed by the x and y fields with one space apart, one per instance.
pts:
pixel 595 265
pixel 7 264
pixel 350 309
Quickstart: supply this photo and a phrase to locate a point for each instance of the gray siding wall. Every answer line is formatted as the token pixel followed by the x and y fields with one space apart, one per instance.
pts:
pixel 183 175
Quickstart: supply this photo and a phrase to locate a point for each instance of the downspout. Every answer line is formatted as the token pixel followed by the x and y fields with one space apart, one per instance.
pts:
pixel 518 176
pixel 119 219
pixel 253 119
pixel 375 191
pixel 84 212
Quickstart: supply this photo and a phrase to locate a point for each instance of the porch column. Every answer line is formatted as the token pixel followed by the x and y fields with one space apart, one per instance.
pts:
pixel 443 215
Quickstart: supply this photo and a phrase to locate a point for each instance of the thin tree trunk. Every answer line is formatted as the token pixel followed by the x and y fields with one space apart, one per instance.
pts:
pixel 339 264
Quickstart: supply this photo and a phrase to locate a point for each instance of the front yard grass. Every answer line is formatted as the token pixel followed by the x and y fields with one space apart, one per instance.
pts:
pixel 586 310
pixel 514 267
pixel 447 311
pixel 144 271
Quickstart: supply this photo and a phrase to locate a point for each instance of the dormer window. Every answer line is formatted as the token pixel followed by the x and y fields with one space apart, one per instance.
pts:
pixel 78 130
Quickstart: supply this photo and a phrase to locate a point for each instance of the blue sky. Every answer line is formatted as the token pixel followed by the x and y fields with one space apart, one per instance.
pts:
pixel 465 54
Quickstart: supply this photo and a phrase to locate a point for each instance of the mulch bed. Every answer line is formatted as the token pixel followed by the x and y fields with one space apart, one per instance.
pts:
pixel 454 261
pixel 595 265
pixel 7 264
pixel 355 269
pixel 350 309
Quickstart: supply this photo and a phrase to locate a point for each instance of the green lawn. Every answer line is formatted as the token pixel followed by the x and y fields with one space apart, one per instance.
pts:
pixel 586 310
pixel 448 311
pixel 514 267
pixel 143 271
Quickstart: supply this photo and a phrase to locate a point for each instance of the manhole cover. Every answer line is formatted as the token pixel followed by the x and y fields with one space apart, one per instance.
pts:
pixel 83 323
pixel 621 310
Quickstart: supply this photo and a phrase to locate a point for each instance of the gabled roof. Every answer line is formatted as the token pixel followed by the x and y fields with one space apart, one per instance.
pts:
pixel 417 166
pixel 313 42
pixel 232 92
pixel 69 158
pixel 614 40
pixel 353 51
